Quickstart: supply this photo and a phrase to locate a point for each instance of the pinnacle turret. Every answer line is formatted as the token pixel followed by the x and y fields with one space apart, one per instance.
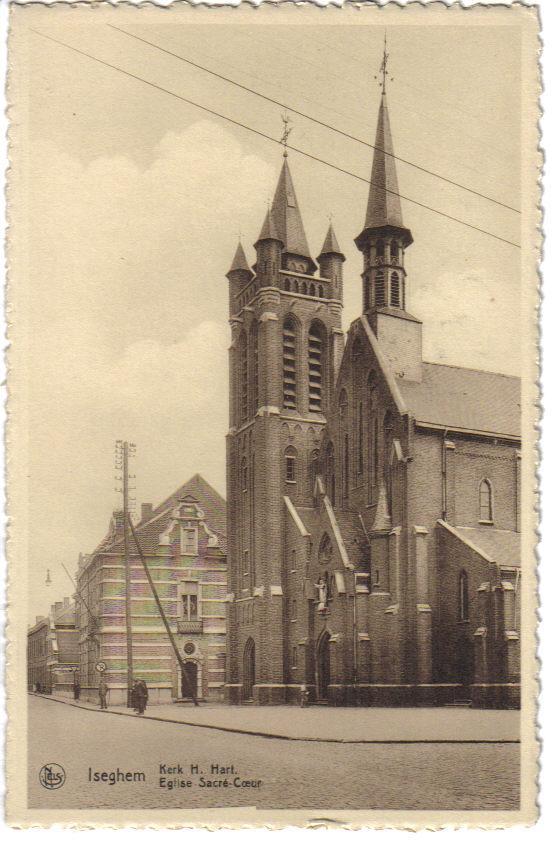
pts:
pixel 240 262
pixel 330 245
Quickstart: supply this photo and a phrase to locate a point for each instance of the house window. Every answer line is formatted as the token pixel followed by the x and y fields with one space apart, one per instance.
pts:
pixel 289 369
pixel 190 602
pixel 290 465
pixel 189 541
pixel 463 600
pixel 485 501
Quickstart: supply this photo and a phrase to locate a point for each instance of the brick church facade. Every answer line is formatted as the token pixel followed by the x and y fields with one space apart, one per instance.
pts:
pixel 372 497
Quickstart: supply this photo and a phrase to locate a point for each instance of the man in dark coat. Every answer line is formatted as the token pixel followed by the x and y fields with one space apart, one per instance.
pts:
pixel 141 696
pixel 103 690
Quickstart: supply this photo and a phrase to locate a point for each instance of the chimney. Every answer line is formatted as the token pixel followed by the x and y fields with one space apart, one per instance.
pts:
pixel 118 523
pixel 147 512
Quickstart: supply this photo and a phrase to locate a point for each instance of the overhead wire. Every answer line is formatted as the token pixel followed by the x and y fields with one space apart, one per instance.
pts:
pixel 266 136
pixel 313 119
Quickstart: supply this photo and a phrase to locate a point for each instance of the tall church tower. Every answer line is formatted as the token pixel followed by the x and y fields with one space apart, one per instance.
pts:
pixel 286 348
pixel 383 243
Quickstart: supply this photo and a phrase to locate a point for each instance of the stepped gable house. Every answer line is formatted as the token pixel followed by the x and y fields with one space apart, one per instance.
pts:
pixel 373 498
pixel 184 543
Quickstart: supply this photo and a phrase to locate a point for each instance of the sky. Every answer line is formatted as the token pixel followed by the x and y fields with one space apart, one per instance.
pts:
pixel 136 200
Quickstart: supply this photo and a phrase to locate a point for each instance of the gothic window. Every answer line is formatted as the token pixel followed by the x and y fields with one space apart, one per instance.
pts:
pixel 394 251
pixel 388 428
pixel 379 251
pixel 316 366
pixel 244 474
pixel 243 347
pixel 294 609
pixel 311 289
pixel 303 288
pixel 254 383
pixel 325 549
pixel 290 456
pixel 294 657
pixel 246 563
pixel 294 560
pixel 371 435
pixel 286 285
pixel 360 438
pixel 289 373
pixel 379 288
pixel 330 474
pixel 395 290
pixel 463 599
pixel 321 291
pixel 485 501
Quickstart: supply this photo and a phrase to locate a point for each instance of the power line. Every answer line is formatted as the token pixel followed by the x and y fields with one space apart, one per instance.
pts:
pixel 271 138
pixel 311 118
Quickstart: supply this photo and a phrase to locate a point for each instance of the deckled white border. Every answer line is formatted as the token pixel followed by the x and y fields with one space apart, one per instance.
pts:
pixel 550 266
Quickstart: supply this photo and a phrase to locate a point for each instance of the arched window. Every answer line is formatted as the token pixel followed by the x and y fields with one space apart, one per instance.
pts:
pixel 303 288
pixel 395 290
pixel 372 440
pixel 321 291
pixel 485 501
pixel 290 457
pixel 394 251
pixel 388 429
pixel 244 474
pixel 316 366
pixel 330 474
pixel 311 289
pixel 255 377
pixel 289 364
pixel 287 285
pixel 463 598
pixel 379 251
pixel 243 350
pixel 379 288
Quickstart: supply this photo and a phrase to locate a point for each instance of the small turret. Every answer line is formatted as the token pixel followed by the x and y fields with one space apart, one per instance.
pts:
pixel 331 262
pixel 268 253
pixel 239 275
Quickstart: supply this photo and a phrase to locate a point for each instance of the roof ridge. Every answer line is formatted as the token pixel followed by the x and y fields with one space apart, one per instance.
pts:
pixel 471 369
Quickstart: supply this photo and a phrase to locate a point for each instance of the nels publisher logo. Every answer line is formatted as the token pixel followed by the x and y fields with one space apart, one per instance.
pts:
pixel 52 776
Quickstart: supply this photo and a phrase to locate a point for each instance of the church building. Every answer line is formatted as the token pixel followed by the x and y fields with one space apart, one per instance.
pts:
pixel 373 497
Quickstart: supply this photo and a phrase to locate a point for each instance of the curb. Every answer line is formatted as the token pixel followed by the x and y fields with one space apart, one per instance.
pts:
pixel 272 736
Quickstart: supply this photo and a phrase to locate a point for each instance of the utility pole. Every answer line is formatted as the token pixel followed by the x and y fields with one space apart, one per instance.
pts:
pixel 123 450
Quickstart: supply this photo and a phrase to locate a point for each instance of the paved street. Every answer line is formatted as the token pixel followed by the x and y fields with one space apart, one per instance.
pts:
pixel 253 772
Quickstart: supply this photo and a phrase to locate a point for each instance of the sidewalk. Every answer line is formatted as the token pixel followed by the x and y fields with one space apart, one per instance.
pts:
pixel 336 724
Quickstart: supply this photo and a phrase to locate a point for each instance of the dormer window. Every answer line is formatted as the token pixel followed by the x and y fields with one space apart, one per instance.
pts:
pixel 189 541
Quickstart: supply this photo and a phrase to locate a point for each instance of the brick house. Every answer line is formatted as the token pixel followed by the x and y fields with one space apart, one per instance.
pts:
pixel 373 497
pixel 52 650
pixel 184 543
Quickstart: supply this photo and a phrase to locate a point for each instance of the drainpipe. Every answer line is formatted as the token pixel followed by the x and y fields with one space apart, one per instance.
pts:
pixel 443 466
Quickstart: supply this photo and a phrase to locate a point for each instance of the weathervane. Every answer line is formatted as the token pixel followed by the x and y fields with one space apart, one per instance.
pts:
pixel 384 68
pixel 286 131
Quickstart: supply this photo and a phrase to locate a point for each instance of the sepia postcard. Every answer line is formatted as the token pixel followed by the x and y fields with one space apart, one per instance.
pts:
pixel 273 406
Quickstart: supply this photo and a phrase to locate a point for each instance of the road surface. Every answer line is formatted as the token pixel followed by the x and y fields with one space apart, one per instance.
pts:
pixel 127 762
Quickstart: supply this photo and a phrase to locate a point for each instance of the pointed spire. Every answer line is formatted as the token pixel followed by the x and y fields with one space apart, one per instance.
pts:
pixel 384 206
pixel 331 245
pixel 269 230
pixel 287 217
pixel 240 261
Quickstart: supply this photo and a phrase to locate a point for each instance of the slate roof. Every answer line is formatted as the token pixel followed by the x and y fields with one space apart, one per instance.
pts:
pixel 503 546
pixel 383 208
pixel 465 399
pixel 287 216
pixel 331 245
pixel 240 261
pixel 212 503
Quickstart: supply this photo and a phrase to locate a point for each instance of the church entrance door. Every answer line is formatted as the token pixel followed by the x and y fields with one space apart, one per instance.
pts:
pixel 249 670
pixel 189 679
pixel 323 666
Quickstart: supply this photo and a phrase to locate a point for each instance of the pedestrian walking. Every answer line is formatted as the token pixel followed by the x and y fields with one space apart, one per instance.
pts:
pixel 142 697
pixel 103 690
pixel 304 696
pixel 77 690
